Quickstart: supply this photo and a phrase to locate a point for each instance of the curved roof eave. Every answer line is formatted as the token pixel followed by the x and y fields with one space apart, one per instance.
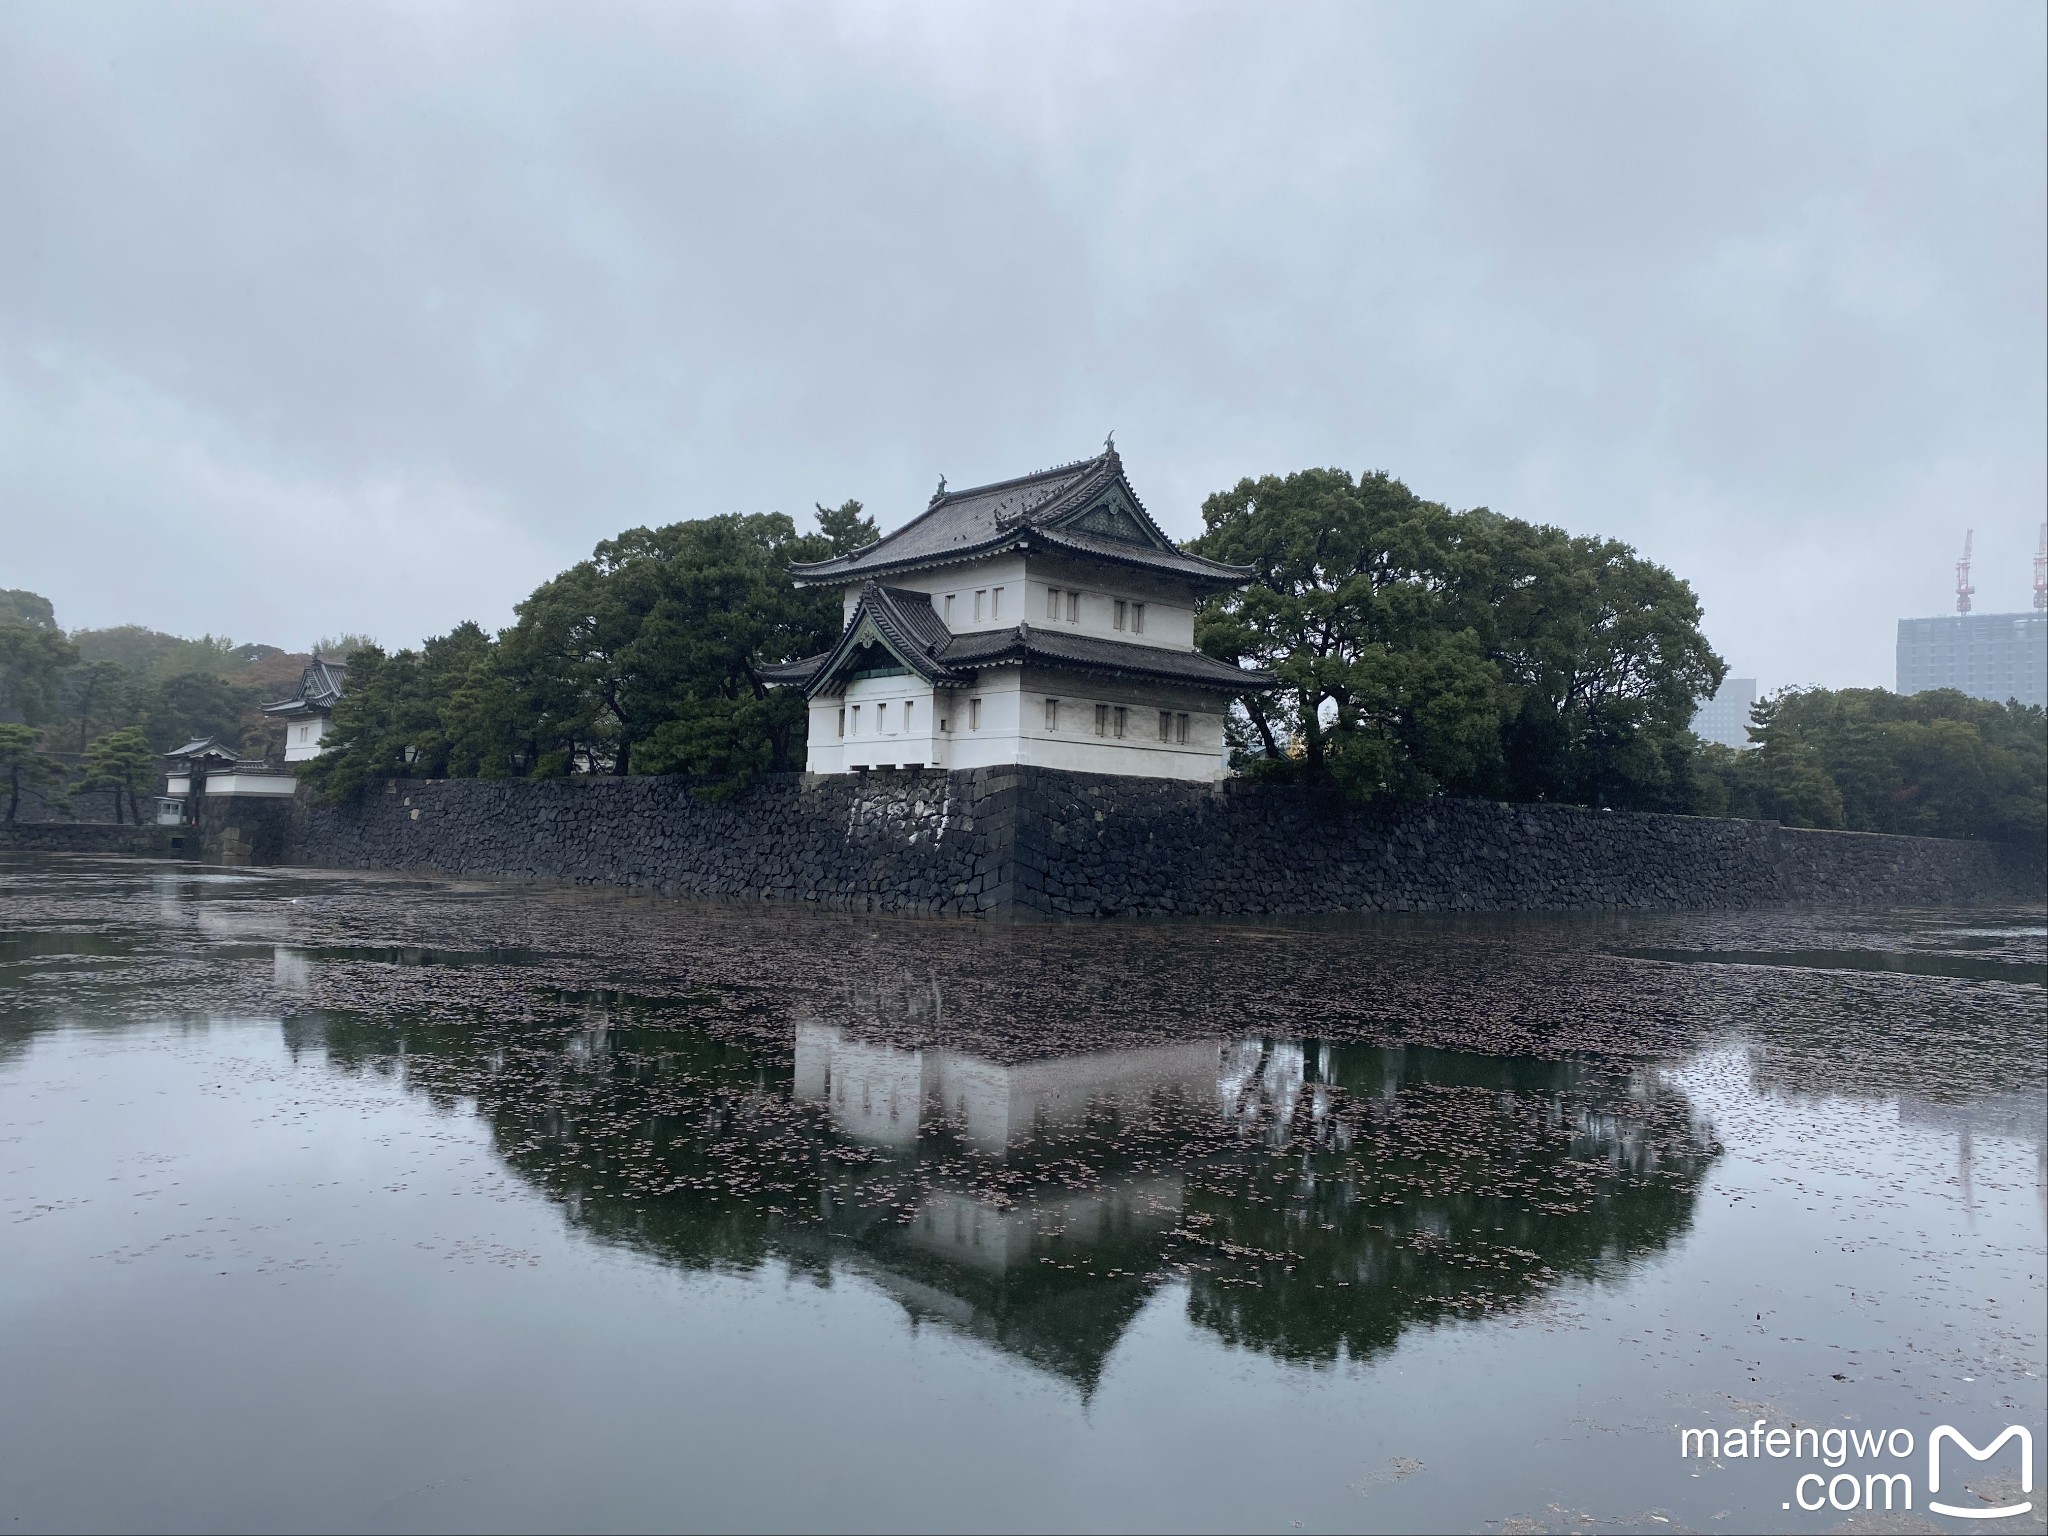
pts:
pixel 1194 569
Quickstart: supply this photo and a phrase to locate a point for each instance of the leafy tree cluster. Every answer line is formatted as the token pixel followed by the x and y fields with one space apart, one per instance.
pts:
pixel 173 689
pixel 119 698
pixel 25 767
pixel 1934 764
pixel 1424 651
pixel 637 660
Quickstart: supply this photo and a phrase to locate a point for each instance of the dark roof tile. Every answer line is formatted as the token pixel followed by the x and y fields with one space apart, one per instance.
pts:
pixel 960 525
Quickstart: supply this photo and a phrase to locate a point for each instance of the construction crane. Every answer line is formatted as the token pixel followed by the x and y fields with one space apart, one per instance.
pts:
pixel 2041 570
pixel 1964 591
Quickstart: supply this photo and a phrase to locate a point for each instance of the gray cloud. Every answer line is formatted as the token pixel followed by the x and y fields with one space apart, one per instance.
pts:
pixel 371 318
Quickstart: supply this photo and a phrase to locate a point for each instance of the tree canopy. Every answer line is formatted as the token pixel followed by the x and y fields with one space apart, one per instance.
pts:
pixel 124 762
pixel 1424 651
pixel 23 767
pixel 1934 764
pixel 638 660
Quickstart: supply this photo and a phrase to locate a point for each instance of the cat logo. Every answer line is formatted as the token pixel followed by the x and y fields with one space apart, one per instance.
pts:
pixel 1948 1432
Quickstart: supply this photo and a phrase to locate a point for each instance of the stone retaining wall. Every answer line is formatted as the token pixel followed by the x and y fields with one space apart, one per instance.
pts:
pixel 1021 841
pixel 98 837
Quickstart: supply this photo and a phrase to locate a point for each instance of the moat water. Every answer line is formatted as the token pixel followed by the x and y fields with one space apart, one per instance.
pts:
pixel 336 1202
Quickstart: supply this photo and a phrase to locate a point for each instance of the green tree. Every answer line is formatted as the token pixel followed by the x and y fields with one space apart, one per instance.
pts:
pixel 372 725
pixel 1383 686
pixel 99 690
pixel 642 657
pixel 1936 764
pixel 185 706
pixel 638 660
pixel 1425 651
pixel 33 664
pixel 124 762
pixel 25 767
pixel 152 653
pixel 1603 660
pixel 30 608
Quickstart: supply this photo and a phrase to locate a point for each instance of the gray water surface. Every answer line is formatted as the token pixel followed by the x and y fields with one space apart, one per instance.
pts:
pixel 335 1202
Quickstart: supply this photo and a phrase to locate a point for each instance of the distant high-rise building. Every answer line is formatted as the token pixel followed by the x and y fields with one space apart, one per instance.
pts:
pixel 1996 656
pixel 1725 717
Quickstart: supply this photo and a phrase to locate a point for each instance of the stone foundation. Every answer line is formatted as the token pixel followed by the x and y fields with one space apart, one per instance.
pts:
pixel 1025 841
pixel 99 837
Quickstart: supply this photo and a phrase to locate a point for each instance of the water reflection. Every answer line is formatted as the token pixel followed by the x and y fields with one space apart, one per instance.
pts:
pixel 1318 1198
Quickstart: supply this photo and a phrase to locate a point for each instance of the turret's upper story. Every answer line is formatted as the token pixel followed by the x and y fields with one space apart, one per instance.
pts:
pixel 1068 549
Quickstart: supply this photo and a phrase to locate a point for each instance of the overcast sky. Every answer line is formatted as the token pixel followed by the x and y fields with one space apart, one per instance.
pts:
pixel 349 317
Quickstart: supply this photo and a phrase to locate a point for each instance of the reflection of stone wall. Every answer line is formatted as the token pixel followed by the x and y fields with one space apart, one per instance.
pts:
pixel 1024 840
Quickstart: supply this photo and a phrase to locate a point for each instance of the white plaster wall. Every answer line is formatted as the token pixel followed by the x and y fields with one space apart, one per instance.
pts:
pixel 302 738
pixel 997 1107
pixel 866 746
pixel 996 741
pixel 961 582
pixel 874 1093
pixel 973 1231
pixel 1169 606
pixel 251 784
pixel 1013 729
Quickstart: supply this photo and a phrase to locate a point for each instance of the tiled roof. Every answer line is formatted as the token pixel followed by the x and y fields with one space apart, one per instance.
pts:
pixel 906 625
pixel 1059 647
pixel 960 525
pixel 206 749
pixel 320 685
pixel 205 746
pixel 917 636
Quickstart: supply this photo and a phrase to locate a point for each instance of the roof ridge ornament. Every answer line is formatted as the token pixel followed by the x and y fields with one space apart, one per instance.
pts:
pixel 1109 444
pixel 940 493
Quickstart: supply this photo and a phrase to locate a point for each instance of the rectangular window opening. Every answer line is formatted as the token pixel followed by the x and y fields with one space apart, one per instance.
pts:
pixel 909 705
pixel 1073 607
pixel 995 603
pixel 1137 618
pixel 1102 719
pixel 1122 715
pixel 949 610
pixel 1052 602
pixel 1052 714
pixel 842 724
pixel 856 719
pixel 980 597
pixel 881 719
pixel 1166 725
pixel 1117 612
pixel 974 714
pixel 1182 726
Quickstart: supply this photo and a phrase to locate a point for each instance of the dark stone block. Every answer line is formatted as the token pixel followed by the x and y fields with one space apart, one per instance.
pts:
pixel 996 841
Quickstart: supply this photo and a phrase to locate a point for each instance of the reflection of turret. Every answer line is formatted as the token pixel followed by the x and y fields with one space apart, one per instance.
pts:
pixel 1048 1272
pixel 887 1095
pixel 1320 1199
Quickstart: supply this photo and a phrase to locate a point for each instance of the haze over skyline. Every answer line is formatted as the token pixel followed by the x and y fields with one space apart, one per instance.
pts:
pixel 371 318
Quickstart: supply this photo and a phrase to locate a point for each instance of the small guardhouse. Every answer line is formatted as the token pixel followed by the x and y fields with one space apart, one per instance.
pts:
pixel 204 768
